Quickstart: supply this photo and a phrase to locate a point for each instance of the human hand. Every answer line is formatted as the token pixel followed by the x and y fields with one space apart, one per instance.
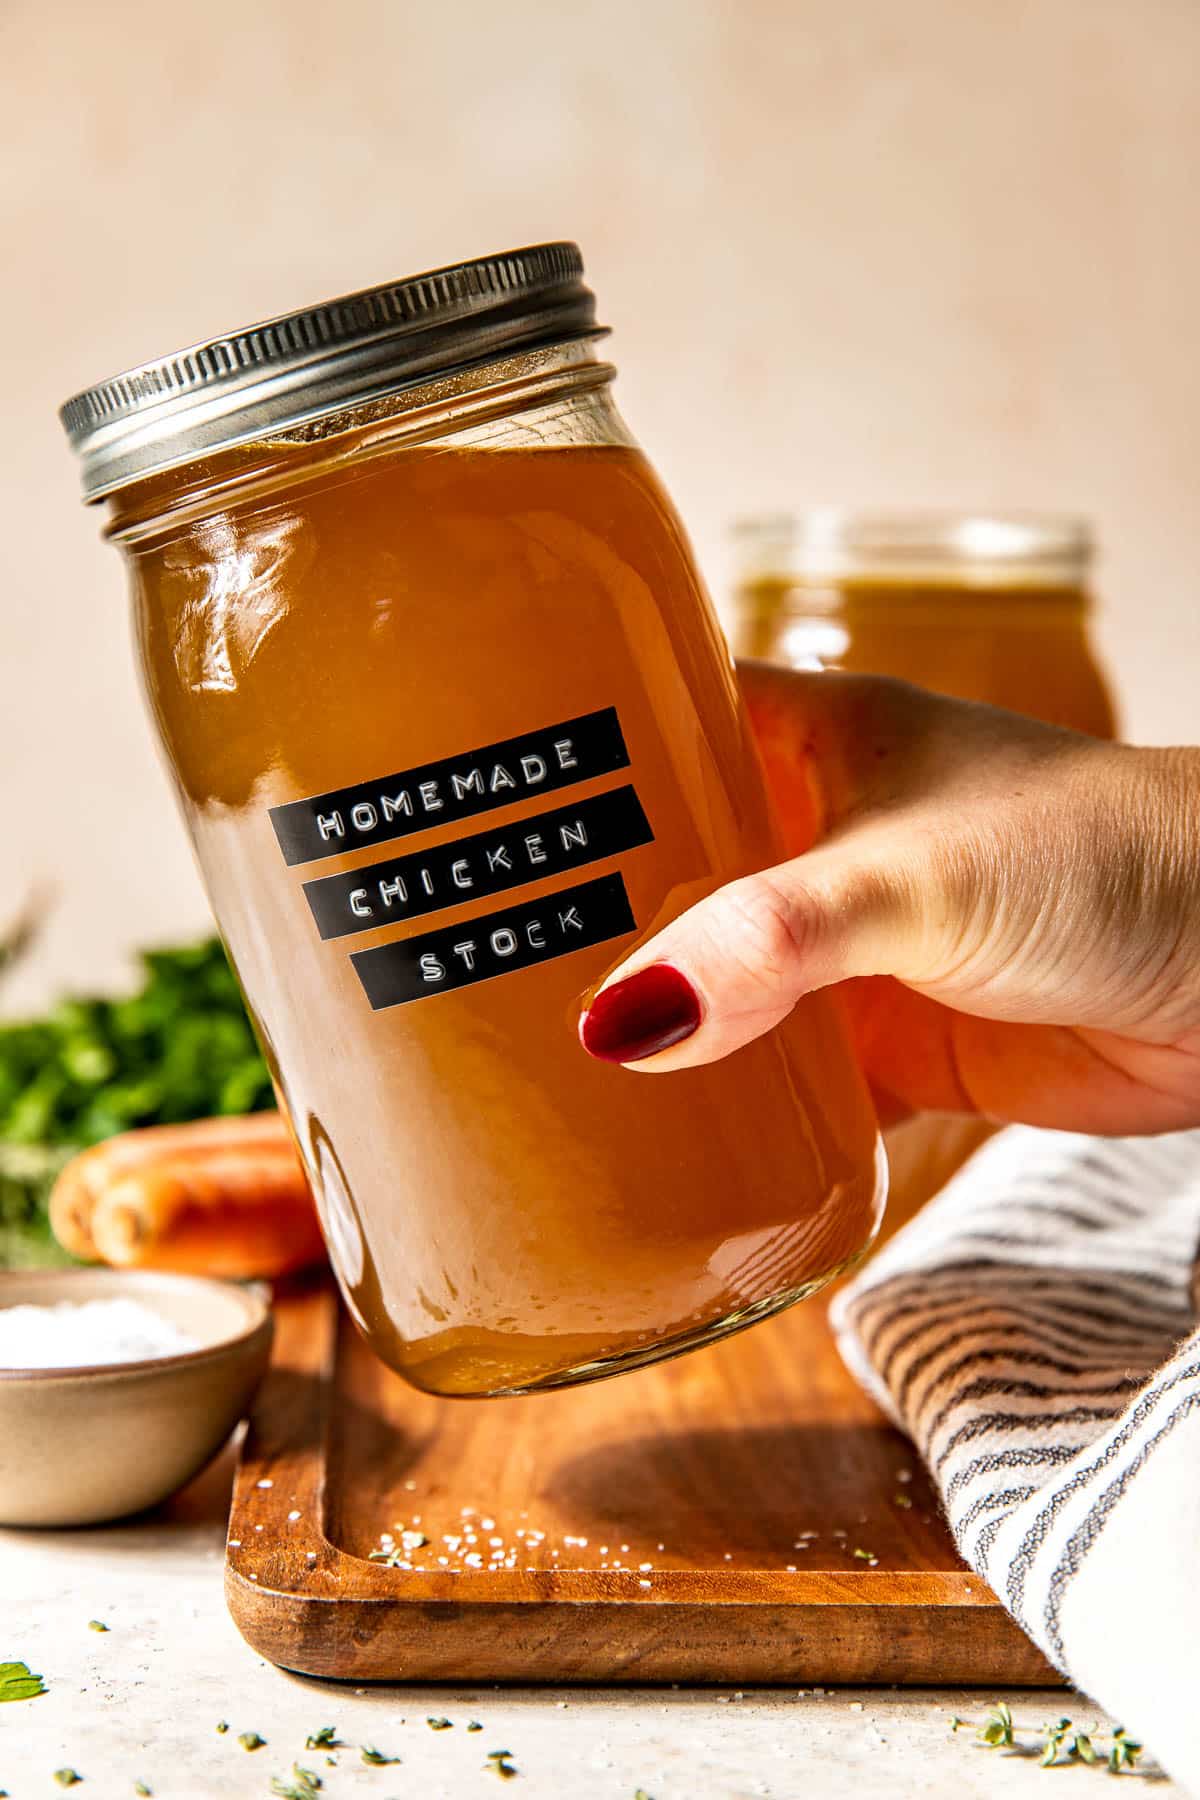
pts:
pixel 1015 910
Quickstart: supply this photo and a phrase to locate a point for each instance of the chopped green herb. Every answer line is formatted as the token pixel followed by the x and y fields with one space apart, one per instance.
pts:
pixel 474 1725
pixel 640 1794
pixel 955 1721
pixel 141 1787
pixel 67 1777
pixel 222 1725
pixel 371 1755
pixel 250 1740
pixel 18 1682
pixel 440 1724
pixel 324 1739
pixel 1056 1737
pixel 997 1729
pixel 1083 1748
pixel 866 1556
pixel 499 1762
pixel 1125 1751
pixel 97 1625
pixel 902 1500
pixel 303 1786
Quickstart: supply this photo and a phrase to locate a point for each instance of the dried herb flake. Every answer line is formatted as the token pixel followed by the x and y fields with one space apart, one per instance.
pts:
pixel 303 1786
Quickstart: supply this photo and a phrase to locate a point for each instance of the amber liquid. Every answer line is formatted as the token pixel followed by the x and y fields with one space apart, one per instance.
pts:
pixel 503 1212
pixel 1021 647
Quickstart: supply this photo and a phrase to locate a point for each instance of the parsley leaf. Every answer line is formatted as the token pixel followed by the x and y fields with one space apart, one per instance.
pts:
pixel 180 1047
pixel 18 1682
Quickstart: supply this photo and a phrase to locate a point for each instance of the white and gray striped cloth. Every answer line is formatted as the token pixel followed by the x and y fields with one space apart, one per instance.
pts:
pixel 1034 1332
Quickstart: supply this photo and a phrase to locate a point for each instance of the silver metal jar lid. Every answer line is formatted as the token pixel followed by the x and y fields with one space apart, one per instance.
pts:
pixel 286 371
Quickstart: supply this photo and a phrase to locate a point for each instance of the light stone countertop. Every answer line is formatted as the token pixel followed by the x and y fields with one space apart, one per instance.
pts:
pixel 142 1701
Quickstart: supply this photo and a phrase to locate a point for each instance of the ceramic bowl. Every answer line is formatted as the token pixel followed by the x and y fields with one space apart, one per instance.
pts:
pixel 78 1446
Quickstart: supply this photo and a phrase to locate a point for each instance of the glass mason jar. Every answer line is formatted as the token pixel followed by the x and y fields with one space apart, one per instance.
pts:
pixel 453 727
pixel 982 607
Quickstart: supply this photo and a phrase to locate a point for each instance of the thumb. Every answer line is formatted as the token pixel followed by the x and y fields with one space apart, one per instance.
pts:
pixel 735 964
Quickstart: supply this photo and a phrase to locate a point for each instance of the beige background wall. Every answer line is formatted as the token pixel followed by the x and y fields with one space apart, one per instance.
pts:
pixel 854 251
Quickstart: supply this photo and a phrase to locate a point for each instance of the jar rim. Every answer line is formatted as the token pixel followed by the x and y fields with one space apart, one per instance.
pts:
pixel 287 371
pixel 974 547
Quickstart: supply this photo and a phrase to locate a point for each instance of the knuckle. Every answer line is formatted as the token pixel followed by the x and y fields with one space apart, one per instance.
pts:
pixel 761 928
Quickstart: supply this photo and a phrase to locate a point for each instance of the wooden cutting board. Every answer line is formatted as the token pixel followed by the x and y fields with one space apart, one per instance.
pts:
pixel 643 1529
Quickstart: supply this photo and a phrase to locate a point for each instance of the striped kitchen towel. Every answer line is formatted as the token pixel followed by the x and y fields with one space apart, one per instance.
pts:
pixel 1034 1331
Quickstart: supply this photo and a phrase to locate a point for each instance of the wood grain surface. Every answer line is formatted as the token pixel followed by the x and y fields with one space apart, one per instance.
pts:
pixel 651 1528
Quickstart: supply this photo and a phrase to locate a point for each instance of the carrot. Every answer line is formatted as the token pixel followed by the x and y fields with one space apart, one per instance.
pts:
pixel 220 1197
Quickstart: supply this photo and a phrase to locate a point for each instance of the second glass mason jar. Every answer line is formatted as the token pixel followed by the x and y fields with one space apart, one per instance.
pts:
pixel 990 607
pixel 452 726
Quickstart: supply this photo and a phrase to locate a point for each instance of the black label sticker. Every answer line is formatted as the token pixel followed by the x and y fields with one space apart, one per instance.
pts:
pixel 487 862
pixel 515 938
pixel 458 787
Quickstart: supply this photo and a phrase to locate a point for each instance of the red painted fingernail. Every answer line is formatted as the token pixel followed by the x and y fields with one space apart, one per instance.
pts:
pixel 640 1016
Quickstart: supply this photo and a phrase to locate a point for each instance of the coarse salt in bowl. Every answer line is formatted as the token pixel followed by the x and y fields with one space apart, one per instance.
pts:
pixel 69 1334
pixel 116 1387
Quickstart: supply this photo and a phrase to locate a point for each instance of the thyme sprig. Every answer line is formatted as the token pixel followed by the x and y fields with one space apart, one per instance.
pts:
pixel 1058 1744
